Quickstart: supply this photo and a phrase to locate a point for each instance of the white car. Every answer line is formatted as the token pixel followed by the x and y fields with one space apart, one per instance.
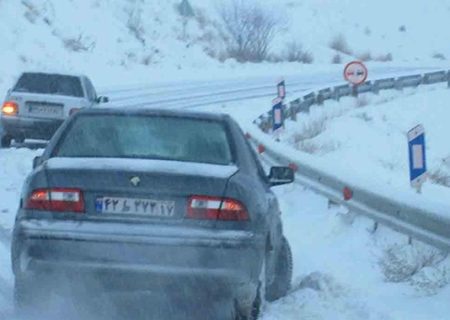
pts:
pixel 40 102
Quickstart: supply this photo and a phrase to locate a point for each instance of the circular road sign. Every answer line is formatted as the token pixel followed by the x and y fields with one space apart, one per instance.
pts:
pixel 355 72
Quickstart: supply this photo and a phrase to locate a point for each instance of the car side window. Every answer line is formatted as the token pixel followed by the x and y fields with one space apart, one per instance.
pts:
pixel 90 91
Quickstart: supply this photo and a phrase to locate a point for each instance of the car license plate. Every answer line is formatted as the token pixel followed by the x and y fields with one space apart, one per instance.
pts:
pixel 155 208
pixel 46 110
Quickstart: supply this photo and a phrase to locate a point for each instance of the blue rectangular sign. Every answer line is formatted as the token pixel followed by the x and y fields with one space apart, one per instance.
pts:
pixel 277 114
pixel 417 156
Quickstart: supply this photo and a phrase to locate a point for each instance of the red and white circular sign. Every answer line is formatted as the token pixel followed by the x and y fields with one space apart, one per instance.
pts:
pixel 355 72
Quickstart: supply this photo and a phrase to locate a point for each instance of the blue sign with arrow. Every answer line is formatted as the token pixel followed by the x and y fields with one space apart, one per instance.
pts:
pixel 277 114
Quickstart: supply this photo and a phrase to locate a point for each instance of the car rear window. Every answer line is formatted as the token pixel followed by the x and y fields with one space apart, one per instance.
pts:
pixel 147 137
pixel 49 84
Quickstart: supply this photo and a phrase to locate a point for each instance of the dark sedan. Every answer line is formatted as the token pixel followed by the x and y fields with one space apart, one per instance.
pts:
pixel 152 200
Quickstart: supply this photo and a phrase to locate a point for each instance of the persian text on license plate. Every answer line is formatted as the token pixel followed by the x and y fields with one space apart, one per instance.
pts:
pixel 156 208
pixel 48 110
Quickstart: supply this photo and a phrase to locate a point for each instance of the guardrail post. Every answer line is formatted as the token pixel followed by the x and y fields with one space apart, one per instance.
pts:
pixel 375 89
pixel 374 227
pixel 336 95
pixel 398 85
pixel 293 114
pixel 320 99
pixel 355 91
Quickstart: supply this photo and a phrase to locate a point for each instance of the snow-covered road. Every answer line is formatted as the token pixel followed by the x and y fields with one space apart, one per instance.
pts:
pixel 341 269
pixel 210 94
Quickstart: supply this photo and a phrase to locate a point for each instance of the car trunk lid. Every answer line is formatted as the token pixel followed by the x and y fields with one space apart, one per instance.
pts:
pixel 138 188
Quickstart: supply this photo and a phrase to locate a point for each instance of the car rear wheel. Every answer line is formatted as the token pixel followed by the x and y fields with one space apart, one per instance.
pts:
pixel 251 314
pixel 281 280
pixel 6 141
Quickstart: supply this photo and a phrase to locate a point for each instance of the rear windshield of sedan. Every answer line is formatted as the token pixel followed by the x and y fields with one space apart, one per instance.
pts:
pixel 49 84
pixel 147 137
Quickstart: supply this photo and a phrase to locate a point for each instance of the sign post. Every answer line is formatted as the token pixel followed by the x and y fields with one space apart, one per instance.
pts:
pixel 356 73
pixel 417 157
pixel 281 89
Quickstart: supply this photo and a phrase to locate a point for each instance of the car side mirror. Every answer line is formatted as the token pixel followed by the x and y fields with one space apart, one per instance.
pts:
pixel 102 99
pixel 281 175
pixel 37 161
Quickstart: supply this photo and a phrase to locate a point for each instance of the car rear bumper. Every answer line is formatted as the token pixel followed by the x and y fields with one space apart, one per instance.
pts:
pixel 128 257
pixel 33 128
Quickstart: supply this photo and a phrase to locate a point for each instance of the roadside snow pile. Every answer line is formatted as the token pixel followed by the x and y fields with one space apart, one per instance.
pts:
pixel 344 269
pixel 15 164
pixel 6 283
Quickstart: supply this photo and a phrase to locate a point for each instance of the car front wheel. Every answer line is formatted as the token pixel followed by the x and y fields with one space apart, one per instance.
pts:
pixel 6 141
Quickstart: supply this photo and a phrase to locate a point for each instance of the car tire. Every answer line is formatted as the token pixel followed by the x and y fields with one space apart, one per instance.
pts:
pixel 6 141
pixel 281 280
pixel 251 314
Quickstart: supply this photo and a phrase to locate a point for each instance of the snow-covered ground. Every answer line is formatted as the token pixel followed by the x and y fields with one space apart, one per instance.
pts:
pixel 344 271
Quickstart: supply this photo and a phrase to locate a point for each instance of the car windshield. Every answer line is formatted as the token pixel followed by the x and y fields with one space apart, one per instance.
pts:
pixel 147 137
pixel 49 84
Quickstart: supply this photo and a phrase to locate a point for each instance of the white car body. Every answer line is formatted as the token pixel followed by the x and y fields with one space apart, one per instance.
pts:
pixel 40 114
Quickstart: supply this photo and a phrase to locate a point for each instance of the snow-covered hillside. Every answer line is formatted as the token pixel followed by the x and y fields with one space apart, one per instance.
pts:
pixel 144 40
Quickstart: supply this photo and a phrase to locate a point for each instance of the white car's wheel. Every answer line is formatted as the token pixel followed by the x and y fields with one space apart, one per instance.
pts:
pixel 6 141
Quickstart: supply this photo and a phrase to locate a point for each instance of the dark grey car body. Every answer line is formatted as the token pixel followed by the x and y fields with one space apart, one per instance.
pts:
pixel 147 252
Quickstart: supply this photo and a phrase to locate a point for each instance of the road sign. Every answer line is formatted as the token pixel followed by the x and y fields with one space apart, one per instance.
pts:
pixel 417 158
pixel 281 89
pixel 356 72
pixel 277 114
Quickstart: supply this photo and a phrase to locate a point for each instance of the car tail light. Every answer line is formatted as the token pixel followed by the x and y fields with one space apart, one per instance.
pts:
pixel 73 110
pixel 57 199
pixel 213 208
pixel 10 108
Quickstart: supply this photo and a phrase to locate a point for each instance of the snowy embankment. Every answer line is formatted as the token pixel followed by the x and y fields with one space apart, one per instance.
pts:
pixel 362 141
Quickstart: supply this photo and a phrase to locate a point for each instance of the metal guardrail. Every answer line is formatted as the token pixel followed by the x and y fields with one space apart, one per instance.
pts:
pixel 427 226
